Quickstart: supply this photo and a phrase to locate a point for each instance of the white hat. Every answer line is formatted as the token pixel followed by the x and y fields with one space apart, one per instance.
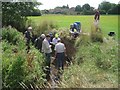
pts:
pixel 59 39
pixel 29 27
pixel 42 36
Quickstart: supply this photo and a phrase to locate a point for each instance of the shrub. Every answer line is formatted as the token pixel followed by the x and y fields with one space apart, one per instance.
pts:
pixel 12 36
pixel 18 67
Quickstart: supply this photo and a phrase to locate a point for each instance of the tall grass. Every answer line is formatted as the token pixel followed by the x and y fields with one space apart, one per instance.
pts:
pixel 96 34
pixel 96 64
pixel 44 26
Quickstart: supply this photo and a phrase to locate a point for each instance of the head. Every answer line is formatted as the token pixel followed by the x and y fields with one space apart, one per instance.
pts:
pixel 29 28
pixel 59 40
pixel 42 36
pixel 56 35
pixel 96 10
pixel 48 37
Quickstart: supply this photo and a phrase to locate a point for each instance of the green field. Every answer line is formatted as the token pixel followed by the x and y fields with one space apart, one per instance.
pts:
pixel 107 22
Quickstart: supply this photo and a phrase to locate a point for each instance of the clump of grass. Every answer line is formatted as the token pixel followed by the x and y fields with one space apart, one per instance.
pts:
pixel 96 34
pixel 83 39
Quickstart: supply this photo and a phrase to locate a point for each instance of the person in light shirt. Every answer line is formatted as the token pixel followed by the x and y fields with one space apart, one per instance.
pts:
pixel 60 51
pixel 55 39
pixel 46 49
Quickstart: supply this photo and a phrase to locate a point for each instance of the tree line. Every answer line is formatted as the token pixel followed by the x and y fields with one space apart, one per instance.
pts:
pixel 104 8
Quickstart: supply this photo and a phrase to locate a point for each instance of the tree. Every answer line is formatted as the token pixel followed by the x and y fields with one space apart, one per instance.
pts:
pixel 67 6
pixel 78 8
pixel 106 6
pixel 114 9
pixel 15 13
pixel 86 7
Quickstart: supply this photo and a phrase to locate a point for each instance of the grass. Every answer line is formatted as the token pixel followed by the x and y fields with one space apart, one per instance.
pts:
pixel 95 65
pixel 107 23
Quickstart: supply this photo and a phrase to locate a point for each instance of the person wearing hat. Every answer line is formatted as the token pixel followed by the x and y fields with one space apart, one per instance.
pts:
pixel 54 42
pixel 28 37
pixel 46 48
pixel 55 39
pixel 60 51
pixel 38 42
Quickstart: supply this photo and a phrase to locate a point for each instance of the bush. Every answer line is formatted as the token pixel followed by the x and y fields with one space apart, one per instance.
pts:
pixel 20 69
pixel 12 36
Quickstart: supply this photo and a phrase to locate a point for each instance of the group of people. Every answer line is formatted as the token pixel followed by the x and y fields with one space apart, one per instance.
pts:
pixel 48 45
pixel 52 44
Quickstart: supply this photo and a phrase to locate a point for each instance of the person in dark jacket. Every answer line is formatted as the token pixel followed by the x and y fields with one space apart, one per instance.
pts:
pixel 38 42
pixel 97 16
pixel 28 36
pixel 96 19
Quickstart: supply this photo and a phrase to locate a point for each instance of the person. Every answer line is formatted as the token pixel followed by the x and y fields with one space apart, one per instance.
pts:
pixel 46 48
pixel 54 42
pixel 28 36
pixel 97 17
pixel 60 51
pixel 38 42
pixel 55 39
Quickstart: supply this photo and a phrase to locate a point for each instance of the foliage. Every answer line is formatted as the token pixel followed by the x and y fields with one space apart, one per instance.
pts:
pixel 86 7
pixel 11 35
pixel 109 8
pixel 19 68
pixel 96 65
pixel 42 27
pixel 78 8
pixel 96 34
pixel 16 17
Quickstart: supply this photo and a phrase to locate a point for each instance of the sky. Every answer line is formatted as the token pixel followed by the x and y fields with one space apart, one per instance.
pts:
pixel 50 4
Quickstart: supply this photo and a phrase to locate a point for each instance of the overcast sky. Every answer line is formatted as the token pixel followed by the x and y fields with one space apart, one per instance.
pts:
pixel 50 4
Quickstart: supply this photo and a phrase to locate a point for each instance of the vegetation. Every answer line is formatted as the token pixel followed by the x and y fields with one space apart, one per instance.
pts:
pixel 20 69
pixel 44 26
pixel 95 64
pixel 16 17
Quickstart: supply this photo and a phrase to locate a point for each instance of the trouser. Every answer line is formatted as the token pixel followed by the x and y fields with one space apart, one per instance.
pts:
pixel 47 65
pixel 28 45
pixel 48 59
pixel 60 60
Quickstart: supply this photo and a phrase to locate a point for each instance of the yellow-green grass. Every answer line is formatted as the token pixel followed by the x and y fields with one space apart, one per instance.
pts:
pixel 107 22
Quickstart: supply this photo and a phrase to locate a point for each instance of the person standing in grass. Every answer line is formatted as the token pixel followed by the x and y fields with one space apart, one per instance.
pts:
pixel 38 42
pixel 97 17
pixel 28 37
pixel 46 48
pixel 60 51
